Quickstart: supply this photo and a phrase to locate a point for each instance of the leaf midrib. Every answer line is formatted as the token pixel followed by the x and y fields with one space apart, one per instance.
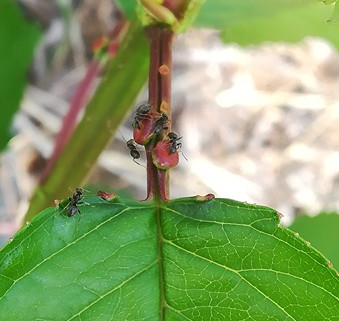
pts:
pixel 160 239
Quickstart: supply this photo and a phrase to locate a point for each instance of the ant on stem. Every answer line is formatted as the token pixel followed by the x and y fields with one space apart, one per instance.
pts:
pixel 173 137
pixel 159 123
pixel 141 113
pixel 133 150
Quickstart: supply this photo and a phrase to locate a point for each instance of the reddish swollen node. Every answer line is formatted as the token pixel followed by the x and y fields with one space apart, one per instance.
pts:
pixel 144 133
pixel 162 158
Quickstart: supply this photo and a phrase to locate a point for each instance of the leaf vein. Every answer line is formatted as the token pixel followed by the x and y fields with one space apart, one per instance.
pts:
pixel 67 246
pixel 234 271
pixel 114 289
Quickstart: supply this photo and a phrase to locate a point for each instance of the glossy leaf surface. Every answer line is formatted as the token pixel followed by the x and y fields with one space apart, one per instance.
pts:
pixel 185 260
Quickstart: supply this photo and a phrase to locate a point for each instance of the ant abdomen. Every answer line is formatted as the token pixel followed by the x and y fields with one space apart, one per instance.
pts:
pixel 131 145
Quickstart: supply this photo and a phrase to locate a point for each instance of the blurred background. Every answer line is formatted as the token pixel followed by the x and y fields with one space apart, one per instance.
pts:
pixel 259 123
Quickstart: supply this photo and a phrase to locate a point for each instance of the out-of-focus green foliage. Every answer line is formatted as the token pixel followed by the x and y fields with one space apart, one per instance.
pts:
pixel 18 39
pixel 254 21
pixel 288 25
pixel 127 7
pixel 322 231
pixel 223 14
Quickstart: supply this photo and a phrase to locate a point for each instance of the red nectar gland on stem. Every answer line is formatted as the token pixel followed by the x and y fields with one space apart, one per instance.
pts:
pixel 147 123
pixel 162 157
pixel 144 132
pixel 143 124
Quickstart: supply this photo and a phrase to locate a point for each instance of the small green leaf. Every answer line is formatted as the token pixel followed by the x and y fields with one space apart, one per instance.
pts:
pixel 322 232
pixel 17 42
pixel 127 7
pixel 185 260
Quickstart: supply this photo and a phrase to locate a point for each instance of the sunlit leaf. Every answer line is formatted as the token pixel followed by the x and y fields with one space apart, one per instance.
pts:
pixel 185 260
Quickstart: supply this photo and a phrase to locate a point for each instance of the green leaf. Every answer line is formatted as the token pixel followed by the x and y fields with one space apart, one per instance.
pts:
pixel 17 42
pixel 335 14
pixel 286 26
pixel 221 14
pixel 322 232
pixel 127 7
pixel 255 21
pixel 185 260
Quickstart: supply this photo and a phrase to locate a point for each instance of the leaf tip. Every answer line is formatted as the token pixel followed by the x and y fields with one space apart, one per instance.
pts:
pixel 205 198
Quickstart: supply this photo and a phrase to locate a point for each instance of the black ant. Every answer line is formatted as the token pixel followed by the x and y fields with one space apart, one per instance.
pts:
pixel 74 201
pixel 140 114
pixel 133 150
pixel 159 123
pixel 174 142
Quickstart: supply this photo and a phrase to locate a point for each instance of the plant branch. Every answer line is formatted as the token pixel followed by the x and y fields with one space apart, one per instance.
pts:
pixel 78 102
pixel 82 94
pixel 121 84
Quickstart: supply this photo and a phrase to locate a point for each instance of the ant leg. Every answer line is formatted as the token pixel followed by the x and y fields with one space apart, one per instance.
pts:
pixel 79 215
pixel 138 163
pixel 184 156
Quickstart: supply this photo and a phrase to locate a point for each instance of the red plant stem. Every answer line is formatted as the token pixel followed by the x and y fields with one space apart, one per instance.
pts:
pixel 153 99
pixel 159 89
pixel 153 82
pixel 78 101
pixel 165 70
pixel 165 74
pixel 80 98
